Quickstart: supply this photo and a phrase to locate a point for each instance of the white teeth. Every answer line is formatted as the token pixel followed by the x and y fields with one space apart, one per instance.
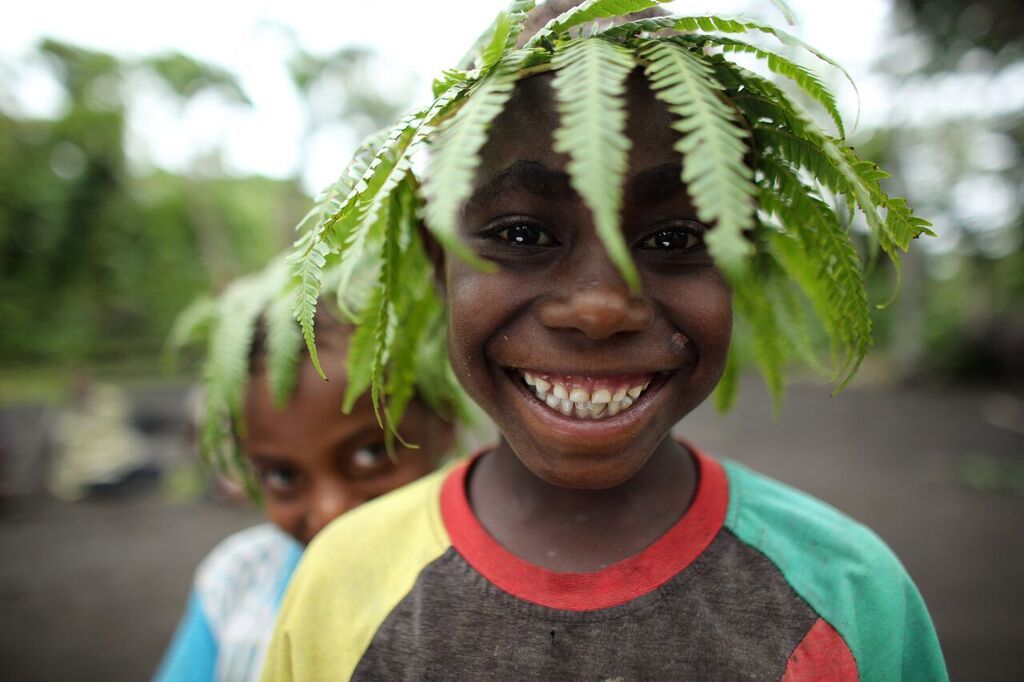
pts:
pixel 580 403
pixel 578 395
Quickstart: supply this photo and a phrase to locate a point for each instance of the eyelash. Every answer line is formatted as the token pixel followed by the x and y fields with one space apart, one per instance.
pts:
pixel 279 487
pixel 689 228
pixel 494 231
pixel 380 460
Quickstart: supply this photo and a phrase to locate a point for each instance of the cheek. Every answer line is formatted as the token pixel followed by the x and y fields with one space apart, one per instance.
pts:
pixel 475 313
pixel 411 466
pixel 702 308
pixel 711 322
pixel 288 516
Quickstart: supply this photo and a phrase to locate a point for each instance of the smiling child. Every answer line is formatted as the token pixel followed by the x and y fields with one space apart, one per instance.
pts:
pixel 588 543
pixel 312 463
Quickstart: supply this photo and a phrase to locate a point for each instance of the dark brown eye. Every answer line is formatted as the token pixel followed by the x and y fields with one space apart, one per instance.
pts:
pixel 523 234
pixel 368 459
pixel 674 239
pixel 279 479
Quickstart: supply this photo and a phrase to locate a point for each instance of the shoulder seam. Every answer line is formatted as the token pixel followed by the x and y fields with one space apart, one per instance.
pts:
pixel 798 594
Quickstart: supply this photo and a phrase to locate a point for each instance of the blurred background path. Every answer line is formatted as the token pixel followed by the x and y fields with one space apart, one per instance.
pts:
pixel 94 589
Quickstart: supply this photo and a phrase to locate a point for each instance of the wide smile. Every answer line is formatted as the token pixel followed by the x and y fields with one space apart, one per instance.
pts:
pixel 588 398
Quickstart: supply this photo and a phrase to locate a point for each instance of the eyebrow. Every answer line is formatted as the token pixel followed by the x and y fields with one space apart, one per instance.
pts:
pixel 656 184
pixel 362 434
pixel 650 186
pixel 532 176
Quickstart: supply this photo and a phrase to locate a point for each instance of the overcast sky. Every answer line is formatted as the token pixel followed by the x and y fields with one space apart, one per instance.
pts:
pixel 414 36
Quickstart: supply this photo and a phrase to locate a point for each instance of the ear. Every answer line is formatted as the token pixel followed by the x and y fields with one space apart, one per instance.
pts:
pixel 436 255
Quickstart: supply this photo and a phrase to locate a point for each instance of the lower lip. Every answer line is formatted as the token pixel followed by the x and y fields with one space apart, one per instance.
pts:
pixel 572 427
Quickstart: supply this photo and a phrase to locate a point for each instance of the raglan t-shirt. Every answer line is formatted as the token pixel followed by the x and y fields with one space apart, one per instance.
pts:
pixel 756 581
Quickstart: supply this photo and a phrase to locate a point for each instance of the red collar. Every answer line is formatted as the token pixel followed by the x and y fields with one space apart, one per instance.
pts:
pixel 617 584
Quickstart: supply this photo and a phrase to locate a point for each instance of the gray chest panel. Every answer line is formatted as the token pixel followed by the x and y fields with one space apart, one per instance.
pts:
pixel 730 615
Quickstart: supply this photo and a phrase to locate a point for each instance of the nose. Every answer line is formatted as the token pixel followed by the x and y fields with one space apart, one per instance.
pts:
pixel 599 311
pixel 330 503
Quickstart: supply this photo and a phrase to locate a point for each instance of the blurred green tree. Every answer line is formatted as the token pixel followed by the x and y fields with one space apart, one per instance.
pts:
pixel 963 171
pixel 95 262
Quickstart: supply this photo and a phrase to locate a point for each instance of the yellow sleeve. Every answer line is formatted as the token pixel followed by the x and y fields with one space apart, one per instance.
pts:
pixel 350 578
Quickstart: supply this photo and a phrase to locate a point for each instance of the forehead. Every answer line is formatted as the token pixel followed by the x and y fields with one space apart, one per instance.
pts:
pixel 314 409
pixel 524 131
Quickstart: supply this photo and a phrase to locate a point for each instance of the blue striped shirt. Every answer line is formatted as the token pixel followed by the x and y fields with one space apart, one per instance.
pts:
pixel 231 611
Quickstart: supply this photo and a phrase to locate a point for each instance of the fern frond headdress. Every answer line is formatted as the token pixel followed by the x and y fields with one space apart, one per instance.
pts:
pixel 253 320
pixel 757 166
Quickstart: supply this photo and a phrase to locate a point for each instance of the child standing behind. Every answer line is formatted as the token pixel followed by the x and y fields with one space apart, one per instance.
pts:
pixel 311 463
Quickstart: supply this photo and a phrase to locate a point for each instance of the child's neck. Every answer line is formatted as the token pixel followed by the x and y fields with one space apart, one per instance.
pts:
pixel 578 531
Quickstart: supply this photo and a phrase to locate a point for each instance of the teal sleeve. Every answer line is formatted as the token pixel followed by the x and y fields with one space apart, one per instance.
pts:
pixel 844 572
pixel 192 656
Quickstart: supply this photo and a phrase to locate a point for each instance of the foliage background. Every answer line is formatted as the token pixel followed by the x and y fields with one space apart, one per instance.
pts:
pixel 90 217
pixel 125 192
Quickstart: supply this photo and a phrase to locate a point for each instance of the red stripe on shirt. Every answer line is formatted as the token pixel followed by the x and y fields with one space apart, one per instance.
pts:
pixel 617 584
pixel 822 655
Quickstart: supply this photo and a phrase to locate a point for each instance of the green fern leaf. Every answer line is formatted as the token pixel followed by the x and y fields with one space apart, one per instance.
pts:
pixel 901 226
pixel 284 343
pixel 227 368
pixel 823 261
pixel 801 152
pixel 457 154
pixel 385 332
pixel 336 225
pixel 495 48
pixel 309 273
pixel 360 240
pixel 708 23
pixel 189 326
pixel 331 198
pixel 728 387
pixel 712 146
pixel 787 12
pixel 415 308
pixel 767 341
pixel 589 11
pixel 518 10
pixel 590 86
pixel 790 310
pixel 362 349
pixel 861 178
pixel 804 78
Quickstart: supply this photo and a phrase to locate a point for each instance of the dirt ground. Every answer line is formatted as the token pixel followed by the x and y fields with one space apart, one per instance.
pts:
pixel 92 591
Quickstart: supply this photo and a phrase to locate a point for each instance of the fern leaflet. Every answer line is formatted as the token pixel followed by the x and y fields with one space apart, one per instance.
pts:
pixel 590 86
pixel 457 154
pixel 284 341
pixel 712 146
pixel 588 11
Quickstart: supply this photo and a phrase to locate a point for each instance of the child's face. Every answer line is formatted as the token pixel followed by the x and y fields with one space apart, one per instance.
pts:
pixel 315 463
pixel 558 308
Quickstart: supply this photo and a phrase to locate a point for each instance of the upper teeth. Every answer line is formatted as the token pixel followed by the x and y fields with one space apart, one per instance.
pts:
pixel 573 400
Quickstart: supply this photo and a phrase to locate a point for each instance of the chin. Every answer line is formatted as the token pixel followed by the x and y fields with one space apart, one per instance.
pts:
pixel 586 478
